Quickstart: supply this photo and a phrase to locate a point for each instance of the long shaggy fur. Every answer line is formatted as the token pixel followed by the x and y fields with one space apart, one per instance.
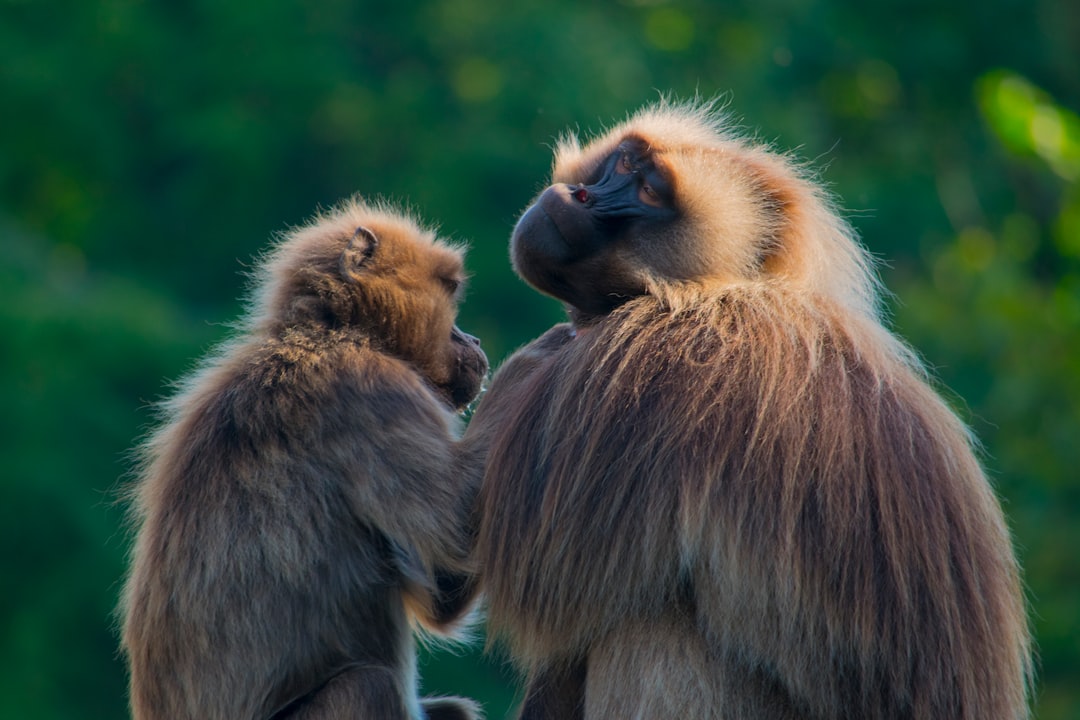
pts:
pixel 305 499
pixel 738 496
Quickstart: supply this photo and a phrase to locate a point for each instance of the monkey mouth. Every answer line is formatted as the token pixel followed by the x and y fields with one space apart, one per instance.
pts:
pixel 537 238
pixel 536 243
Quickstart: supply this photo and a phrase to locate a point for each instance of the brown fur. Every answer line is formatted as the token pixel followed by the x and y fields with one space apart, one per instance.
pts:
pixel 304 499
pixel 737 496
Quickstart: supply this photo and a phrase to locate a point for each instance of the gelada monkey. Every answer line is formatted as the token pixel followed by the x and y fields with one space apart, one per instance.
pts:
pixel 305 500
pixel 725 490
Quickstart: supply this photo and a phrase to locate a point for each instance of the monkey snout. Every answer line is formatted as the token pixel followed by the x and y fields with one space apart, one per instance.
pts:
pixel 569 209
pixel 465 338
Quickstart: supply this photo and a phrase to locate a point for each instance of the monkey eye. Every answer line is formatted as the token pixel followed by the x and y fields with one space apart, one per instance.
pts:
pixel 650 196
pixel 452 285
pixel 625 166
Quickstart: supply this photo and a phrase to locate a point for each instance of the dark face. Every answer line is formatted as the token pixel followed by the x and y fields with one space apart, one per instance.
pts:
pixel 470 367
pixel 405 295
pixel 451 360
pixel 576 242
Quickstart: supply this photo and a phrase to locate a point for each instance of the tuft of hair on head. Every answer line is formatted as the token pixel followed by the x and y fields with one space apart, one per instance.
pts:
pixel 297 277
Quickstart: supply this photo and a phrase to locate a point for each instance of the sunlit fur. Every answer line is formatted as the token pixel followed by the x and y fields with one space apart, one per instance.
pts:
pixel 738 496
pixel 305 499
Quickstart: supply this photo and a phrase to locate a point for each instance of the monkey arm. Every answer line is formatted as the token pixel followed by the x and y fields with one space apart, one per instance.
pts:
pixel 409 483
pixel 572 506
pixel 457 589
pixel 522 368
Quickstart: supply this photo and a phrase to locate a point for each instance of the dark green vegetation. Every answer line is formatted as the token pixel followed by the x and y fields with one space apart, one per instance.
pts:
pixel 149 150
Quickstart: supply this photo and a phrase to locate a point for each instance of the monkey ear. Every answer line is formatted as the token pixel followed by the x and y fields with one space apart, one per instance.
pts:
pixel 357 252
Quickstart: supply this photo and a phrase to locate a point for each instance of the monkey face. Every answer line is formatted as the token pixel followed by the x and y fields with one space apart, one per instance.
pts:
pixel 666 198
pixel 406 293
pixel 376 273
pixel 470 367
pixel 577 241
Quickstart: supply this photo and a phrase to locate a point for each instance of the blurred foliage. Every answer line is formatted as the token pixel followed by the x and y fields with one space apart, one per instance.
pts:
pixel 149 150
pixel 1028 123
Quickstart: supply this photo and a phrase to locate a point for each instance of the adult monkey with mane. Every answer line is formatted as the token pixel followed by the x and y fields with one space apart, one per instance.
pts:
pixel 305 499
pixel 725 489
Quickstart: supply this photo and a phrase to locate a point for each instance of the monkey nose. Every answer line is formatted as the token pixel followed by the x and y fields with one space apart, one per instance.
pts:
pixel 581 194
pixel 464 337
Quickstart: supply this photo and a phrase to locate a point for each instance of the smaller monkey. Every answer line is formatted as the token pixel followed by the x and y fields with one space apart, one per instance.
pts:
pixel 306 498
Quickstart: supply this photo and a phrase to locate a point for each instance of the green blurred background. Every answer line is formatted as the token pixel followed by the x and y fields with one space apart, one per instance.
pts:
pixel 150 149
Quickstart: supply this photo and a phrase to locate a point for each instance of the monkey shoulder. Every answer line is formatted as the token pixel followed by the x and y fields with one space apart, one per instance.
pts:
pixel 536 354
pixel 273 411
pixel 530 371
pixel 326 370
pixel 273 430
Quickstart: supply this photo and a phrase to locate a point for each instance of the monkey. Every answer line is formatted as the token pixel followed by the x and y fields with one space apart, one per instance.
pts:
pixel 305 501
pixel 724 488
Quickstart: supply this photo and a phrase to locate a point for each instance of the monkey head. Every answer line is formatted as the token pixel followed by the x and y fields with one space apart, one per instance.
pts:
pixel 370 269
pixel 673 196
